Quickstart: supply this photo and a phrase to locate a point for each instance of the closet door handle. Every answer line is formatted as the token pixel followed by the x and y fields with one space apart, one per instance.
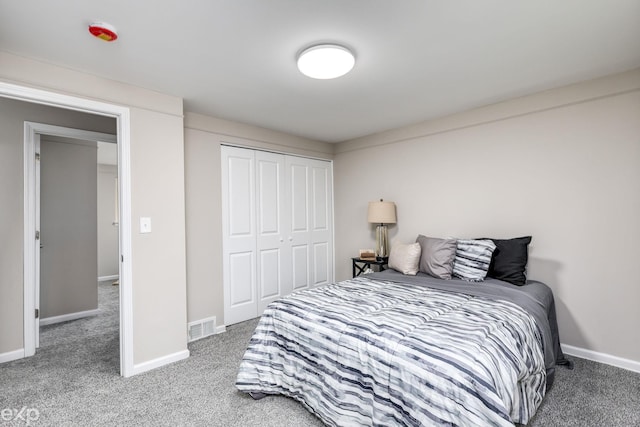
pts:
pixel 290 238
pixel 281 240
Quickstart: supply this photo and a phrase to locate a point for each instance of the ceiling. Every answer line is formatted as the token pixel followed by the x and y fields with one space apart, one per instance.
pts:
pixel 415 59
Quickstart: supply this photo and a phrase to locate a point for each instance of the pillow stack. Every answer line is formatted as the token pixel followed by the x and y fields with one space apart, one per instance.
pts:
pixel 472 260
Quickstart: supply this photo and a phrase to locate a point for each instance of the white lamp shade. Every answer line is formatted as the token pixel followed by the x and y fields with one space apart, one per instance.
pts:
pixel 325 61
pixel 382 212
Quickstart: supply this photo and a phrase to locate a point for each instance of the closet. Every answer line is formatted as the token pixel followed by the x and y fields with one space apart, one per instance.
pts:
pixel 277 219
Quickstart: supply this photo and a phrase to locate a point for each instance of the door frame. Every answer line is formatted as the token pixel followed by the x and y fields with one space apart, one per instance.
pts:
pixel 32 133
pixel 123 132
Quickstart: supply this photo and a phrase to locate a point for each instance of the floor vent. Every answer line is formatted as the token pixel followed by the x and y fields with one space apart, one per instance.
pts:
pixel 202 328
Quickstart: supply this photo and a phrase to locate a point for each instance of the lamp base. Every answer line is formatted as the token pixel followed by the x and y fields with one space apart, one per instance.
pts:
pixel 382 247
pixel 384 259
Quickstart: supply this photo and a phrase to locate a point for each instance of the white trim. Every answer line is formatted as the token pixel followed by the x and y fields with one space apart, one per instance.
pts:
pixel 243 144
pixel 126 268
pixel 105 278
pixel 85 135
pixel 66 317
pixel 29 246
pixel 332 279
pixel 122 115
pixel 595 356
pixel 220 329
pixel 11 355
pixel 161 361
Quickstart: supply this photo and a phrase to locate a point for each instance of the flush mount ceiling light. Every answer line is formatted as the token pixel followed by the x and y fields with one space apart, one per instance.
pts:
pixel 325 61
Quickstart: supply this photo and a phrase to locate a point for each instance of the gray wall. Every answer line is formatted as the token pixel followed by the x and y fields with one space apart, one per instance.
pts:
pixel 68 226
pixel 107 232
pixel 12 117
pixel 562 166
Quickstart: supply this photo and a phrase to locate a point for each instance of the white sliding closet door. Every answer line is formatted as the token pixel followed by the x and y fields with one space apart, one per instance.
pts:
pixel 273 251
pixel 299 232
pixel 278 228
pixel 310 196
pixel 239 238
pixel 321 210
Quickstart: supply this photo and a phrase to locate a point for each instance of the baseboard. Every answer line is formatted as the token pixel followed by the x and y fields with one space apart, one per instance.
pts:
pixel 11 355
pixel 66 317
pixel 161 361
pixel 221 329
pixel 105 278
pixel 619 362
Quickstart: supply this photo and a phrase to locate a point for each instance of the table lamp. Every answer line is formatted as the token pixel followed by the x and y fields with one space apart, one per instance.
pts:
pixel 382 213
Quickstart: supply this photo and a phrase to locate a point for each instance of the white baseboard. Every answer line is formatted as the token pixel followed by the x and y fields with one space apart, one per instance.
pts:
pixel 11 355
pixel 105 278
pixel 161 361
pixel 67 317
pixel 221 329
pixel 608 359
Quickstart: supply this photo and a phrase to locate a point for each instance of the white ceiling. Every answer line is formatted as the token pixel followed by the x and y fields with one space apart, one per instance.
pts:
pixel 415 59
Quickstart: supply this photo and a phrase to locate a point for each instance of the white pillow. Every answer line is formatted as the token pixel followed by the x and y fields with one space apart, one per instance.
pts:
pixel 405 258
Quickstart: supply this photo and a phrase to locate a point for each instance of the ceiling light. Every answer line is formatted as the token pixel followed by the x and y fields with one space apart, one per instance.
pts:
pixel 325 61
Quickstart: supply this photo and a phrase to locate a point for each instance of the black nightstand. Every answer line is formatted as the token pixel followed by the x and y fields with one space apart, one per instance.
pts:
pixel 359 265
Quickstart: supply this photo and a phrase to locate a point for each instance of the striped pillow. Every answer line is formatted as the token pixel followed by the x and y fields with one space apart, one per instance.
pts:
pixel 472 259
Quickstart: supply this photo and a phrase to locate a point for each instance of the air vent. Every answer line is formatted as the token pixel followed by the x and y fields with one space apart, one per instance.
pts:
pixel 202 328
pixel 209 327
pixel 195 332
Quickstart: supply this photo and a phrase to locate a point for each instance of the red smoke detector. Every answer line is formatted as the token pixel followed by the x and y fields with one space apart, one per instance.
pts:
pixel 103 31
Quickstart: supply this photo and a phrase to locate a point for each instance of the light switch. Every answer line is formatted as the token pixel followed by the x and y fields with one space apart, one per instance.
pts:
pixel 145 224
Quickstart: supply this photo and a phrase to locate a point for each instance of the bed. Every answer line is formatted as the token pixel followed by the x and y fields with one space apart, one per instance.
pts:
pixel 390 349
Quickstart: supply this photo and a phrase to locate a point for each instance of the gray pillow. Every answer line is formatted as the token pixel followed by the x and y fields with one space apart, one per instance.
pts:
pixel 437 256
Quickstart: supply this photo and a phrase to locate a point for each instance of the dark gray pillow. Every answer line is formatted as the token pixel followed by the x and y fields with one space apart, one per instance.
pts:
pixel 437 256
pixel 509 260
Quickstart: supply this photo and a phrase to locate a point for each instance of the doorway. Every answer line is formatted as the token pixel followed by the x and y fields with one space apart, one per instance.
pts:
pixel 67 223
pixel 30 246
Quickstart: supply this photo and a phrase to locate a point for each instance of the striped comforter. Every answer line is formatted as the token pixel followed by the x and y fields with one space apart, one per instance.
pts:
pixel 374 352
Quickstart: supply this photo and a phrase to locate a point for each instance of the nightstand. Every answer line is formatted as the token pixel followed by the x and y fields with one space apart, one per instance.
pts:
pixel 359 265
